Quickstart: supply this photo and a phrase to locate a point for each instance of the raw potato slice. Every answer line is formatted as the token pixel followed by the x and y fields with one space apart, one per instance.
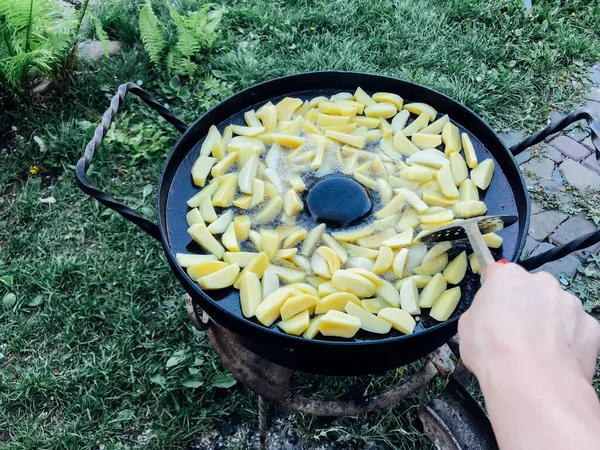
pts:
pixel 421 108
pixel 429 157
pixel 313 328
pixel 288 140
pixel 353 235
pixel 243 202
pixel 292 203
pixel 222 166
pixel 403 239
pixel 187 260
pixel 474 263
pixel 212 138
pixel 419 280
pixel 387 222
pixel 330 257
pixel 337 109
pixel 297 324
pixel 389 294
pixel 455 271
pixel 295 238
pixel 482 174
pixel 437 250
pixel 364 98
pixel 286 107
pixel 297 304
pixel 458 167
pixel 205 268
pixel 432 291
pixel 330 242
pixel 385 110
pixel 347 281
pixel 435 198
pixel 193 216
pixel 319 266
pixel 270 241
pixel 202 236
pixel 384 260
pixel 311 128
pixel 451 138
pixel 337 323
pixel 492 240
pixel 325 120
pixel 408 219
pixel 367 122
pixel 247 175
pixel 399 265
pixel 409 298
pixel 326 288
pixel 267 312
pixel 268 115
pixel 201 169
pixel 287 253
pixel 242 259
pixel 445 304
pixel 433 265
pixel 207 211
pixel 360 107
pixel 404 145
pixel 386 97
pixel 417 125
pixel 369 322
pixel 374 305
pixel 375 241
pixel 221 279
pixel 399 121
pixel 414 200
pixel 446 182
pixel 437 219
pixel 359 262
pixel 392 207
pixel 229 239
pixel 365 181
pixel 250 293
pixel 368 275
pixel 400 320
pixel 350 139
pixel 436 127
pixel 247 131
pixel 204 194
pixel 303 262
pixel 223 197
pixel 468 191
pixel 288 275
pixel 417 173
pixel 469 208
pixel 269 211
pixel 357 250
pixel 336 301
pixel 220 225
pixel 242 226
pixel 470 155
pixel 312 240
pixel 423 140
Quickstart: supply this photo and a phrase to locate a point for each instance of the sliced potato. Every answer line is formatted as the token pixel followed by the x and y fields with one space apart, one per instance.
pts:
pixel 325 287
pixel 414 200
pixel 295 238
pixel 337 323
pixel 422 108
pixel 292 204
pixel 402 239
pixel 347 281
pixel 399 264
pixel 385 110
pixel 364 98
pixel 423 140
pixel 433 265
pixel 242 259
pixel 436 127
pixel 188 260
pixel 288 275
pixel 224 194
pixel 417 173
pixel 451 138
pixel 388 293
pixel 374 305
pixel 400 319
pixel 338 109
pixel 297 324
pixel 350 139
pixel 446 183
pixel 269 211
pixel 193 216
pixel 297 304
pixel 409 298
pixel 354 234
pixel 468 191
pixel 313 328
pixel 367 122
pixel 474 263
pixel 212 139
pixel 357 250
pixel 392 207
pixel 387 97
pixel 359 262
pixel 375 241
pixel 368 321
pixel 469 208
pixel 368 275
pixel 470 156
pixel 458 167
pixel 432 291
pixel 199 233
pixel 455 271
pixel 335 301
pixel 229 239
pixel 250 293
pixel 482 174
pixel 270 241
pixel 330 242
pixel 242 226
pixel 220 225
pixel 399 121
pixel 445 304
pixel 201 169
pixel 312 239
pixel 267 312
pixel 220 279
pixel 408 219
pixel 384 260
pixel 437 250
pixel 403 144
pixel 419 280
pixel 204 268
pixel 429 157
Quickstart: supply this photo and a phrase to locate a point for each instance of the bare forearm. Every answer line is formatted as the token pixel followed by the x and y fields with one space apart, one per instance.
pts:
pixel 541 406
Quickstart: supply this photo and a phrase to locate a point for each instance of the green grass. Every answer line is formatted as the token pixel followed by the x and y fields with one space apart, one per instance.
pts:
pixel 91 315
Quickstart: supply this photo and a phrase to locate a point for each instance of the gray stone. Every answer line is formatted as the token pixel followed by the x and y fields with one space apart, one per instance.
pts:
pixel 542 167
pixel 595 107
pixel 92 50
pixel 42 86
pixel 544 223
pixel 592 163
pixel 594 74
pixel 523 157
pixel 573 228
pixel 535 207
pixel 557 177
pixel 579 176
pixel 594 94
pixel 553 154
pixel 553 187
pixel 556 116
pixel 578 134
pixel 588 143
pixel 567 265
pixel 570 148
pixel 530 246
pixel 511 137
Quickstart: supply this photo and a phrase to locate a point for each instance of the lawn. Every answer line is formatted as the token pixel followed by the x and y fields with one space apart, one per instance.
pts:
pixel 97 351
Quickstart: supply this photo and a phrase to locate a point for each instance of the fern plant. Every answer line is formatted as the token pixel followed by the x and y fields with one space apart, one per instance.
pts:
pixel 36 39
pixel 178 53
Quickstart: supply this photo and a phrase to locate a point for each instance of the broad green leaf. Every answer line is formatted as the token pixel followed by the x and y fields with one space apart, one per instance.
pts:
pixel 9 300
pixel 193 381
pixel 224 381
pixel 7 280
pixel 158 379
pixel 35 301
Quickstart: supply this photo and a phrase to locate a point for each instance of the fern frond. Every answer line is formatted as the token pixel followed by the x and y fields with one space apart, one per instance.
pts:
pixel 101 34
pixel 27 65
pixel 151 31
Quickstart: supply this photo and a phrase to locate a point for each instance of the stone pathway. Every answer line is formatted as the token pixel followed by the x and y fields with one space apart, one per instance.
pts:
pixel 562 162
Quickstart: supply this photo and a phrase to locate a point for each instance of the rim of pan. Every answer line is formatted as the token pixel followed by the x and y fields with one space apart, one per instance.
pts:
pixel 299 340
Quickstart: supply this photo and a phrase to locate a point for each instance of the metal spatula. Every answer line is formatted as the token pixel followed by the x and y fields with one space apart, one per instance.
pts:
pixel 472 229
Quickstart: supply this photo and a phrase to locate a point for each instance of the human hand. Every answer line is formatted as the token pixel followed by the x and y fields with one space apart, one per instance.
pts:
pixel 518 316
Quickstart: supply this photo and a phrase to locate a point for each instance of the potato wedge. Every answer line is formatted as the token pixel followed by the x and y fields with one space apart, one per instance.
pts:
pixel 470 156
pixel 467 191
pixel 250 293
pixel 297 324
pixel 409 298
pixel 423 140
pixel 445 304
pixel 451 138
pixel 482 174
pixel 403 144
pixel 374 305
pixel 220 279
pixel 199 233
pixel 446 183
pixel 458 167
pixel 387 97
pixel 432 266
pixel 297 304
pixel 347 281
pixel 384 110
pixel 337 323
pixel 432 291
pixel 368 322
pixel 388 293
pixel 267 311
pixel 422 108
pixel 400 319
pixel 335 301
pixel 384 260
pixel 188 260
pixel 493 240
pixel 455 271
pixel 469 208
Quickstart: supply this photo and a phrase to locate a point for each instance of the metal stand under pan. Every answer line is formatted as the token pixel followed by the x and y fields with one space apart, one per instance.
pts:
pixel 453 420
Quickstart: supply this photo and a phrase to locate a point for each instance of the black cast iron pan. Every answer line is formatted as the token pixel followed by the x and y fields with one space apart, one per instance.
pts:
pixel 366 353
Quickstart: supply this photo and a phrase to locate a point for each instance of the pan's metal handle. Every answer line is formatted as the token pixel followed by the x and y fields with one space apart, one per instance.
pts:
pixel 584 241
pixel 84 163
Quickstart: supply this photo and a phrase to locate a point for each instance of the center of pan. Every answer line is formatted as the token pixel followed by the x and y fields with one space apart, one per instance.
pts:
pixel 338 201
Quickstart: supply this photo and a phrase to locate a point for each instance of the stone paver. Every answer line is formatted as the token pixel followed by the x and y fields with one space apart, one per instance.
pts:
pixel 570 148
pixel 542 167
pixel 588 143
pixel 594 94
pixel 535 207
pixel 567 265
pixel 511 138
pixel 557 176
pixel 578 134
pixel 573 228
pixel 544 223
pixel 592 163
pixel 553 154
pixel 579 176
pixel 523 157
pixel 530 246
pixel 594 72
pixel 595 107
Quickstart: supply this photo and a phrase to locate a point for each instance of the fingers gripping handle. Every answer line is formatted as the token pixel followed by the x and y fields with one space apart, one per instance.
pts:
pixel 99 133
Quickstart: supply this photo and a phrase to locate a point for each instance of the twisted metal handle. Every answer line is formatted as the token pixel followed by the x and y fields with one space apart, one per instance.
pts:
pixel 99 133
pixel 584 241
